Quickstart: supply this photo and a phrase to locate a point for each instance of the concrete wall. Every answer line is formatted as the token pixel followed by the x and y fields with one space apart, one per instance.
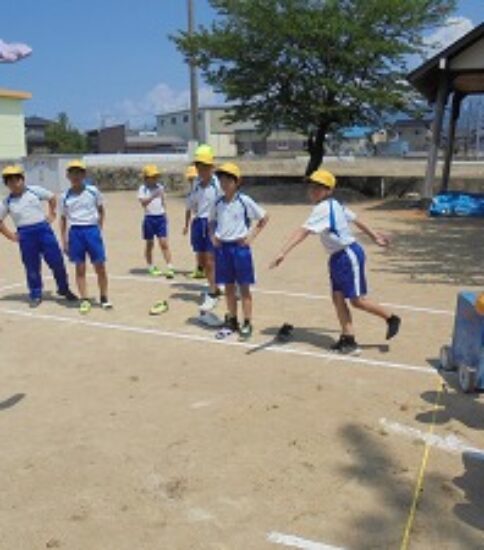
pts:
pixel 12 129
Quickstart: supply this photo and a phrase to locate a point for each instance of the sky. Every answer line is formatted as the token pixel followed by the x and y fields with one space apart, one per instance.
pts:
pixel 107 61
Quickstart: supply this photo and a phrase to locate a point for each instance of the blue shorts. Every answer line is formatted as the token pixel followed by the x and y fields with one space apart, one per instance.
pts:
pixel 233 264
pixel 199 236
pixel 155 226
pixel 86 239
pixel 347 271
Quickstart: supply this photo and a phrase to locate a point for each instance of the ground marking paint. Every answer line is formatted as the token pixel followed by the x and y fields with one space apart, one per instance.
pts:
pixel 141 278
pixel 213 341
pixel 421 475
pixel 297 542
pixel 449 443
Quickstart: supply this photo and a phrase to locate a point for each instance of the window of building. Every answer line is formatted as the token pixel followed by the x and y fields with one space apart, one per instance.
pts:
pixel 186 118
pixel 173 120
pixel 162 122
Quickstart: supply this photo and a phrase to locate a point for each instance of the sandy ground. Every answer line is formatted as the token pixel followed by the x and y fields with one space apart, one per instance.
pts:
pixel 122 431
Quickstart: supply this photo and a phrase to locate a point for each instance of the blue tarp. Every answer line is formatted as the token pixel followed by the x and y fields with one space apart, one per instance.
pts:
pixel 455 203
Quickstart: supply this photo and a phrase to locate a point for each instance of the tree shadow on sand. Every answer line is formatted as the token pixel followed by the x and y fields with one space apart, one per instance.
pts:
pixel 391 483
pixel 443 251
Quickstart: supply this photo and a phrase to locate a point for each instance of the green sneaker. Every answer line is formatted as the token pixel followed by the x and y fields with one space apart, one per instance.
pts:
pixel 245 331
pixel 197 274
pixel 169 273
pixel 154 271
pixel 85 307
pixel 159 307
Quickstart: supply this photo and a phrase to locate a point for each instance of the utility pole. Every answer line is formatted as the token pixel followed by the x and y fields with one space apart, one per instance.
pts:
pixel 478 129
pixel 193 78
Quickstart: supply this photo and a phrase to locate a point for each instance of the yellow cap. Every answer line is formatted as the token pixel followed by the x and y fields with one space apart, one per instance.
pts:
pixel 191 172
pixel 480 304
pixel 323 177
pixel 151 171
pixel 12 170
pixel 229 168
pixel 204 155
pixel 76 165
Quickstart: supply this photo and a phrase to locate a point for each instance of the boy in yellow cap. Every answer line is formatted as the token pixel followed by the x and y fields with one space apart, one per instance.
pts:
pixel 330 220
pixel 230 229
pixel 81 224
pixel 191 175
pixel 206 191
pixel 34 233
pixel 151 195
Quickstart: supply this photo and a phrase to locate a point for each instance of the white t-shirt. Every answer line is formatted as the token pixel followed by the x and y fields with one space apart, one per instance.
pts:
pixel 330 220
pixel 81 208
pixel 233 218
pixel 155 207
pixel 27 208
pixel 202 198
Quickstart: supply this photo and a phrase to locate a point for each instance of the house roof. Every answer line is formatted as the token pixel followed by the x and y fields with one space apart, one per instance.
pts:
pixel 14 94
pixel 37 121
pixel 426 77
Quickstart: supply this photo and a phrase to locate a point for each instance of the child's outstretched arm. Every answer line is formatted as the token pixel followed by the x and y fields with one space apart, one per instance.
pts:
pixel 10 235
pixel 380 240
pixel 296 238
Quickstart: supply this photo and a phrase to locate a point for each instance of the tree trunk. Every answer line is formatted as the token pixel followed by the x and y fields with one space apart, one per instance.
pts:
pixel 316 149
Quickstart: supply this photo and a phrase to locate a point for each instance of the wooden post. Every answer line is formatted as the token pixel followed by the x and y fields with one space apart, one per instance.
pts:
pixel 449 153
pixel 440 103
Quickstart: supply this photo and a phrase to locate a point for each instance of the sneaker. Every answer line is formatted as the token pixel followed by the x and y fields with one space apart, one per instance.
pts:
pixel 169 273
pixel 35 302
pixel 230 326
pixel 393 326
pixel 197 274
pixel 245 331
pixel 105 303
pixel 154 271
pixel 159 307
pixel 346 345
pixel 209 302
pixel 68 295
pixel 85 307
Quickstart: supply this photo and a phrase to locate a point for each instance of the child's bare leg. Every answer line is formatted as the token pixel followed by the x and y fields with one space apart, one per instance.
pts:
pixel 231 299
pixel 370 307
pixel 102 279
pixel 208 266
pixel 81 280
pixel 149 252
pixel 246 297
pixel 165 249
pixel 344 313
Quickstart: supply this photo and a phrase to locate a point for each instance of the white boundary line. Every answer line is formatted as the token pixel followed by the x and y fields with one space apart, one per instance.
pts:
pixel 297 542
pixel 211 340
pixel 303 295
pixel 449 443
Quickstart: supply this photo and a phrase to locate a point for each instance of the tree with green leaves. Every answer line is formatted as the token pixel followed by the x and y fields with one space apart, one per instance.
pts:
pixel 312 66
pixel 64 138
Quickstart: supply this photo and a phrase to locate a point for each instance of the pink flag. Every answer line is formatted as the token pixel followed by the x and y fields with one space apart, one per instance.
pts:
pixel 9 53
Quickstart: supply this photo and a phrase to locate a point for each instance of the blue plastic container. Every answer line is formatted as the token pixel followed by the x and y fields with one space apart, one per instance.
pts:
pixel 466 354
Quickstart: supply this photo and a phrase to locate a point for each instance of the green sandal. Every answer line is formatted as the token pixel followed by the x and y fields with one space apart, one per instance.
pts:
pixel 159 307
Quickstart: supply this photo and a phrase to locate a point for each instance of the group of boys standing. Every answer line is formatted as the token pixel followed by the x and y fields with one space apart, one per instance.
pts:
pixel 220 220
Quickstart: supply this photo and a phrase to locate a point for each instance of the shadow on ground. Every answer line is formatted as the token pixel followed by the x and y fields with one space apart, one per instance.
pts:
pixel 11 401
pixel 392 484
pixel 442 251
